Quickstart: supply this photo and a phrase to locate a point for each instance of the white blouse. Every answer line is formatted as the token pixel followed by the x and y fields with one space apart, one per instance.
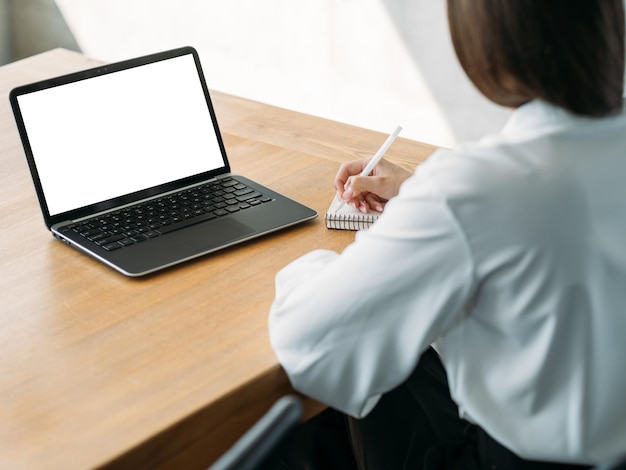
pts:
pixel 510 254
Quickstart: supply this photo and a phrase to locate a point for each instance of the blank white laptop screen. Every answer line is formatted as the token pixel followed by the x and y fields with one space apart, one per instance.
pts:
pixel 151 126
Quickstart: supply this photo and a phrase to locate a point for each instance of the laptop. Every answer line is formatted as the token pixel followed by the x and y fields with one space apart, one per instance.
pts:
pixel 129 165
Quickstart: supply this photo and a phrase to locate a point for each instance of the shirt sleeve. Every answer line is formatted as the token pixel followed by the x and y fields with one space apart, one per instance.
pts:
pixel 349 327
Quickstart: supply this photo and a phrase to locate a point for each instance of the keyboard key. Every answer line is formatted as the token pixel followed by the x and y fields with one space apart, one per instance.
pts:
pixel 112 246
pixel 251 195
pixel 111 239
pixel 91 232
pixel 98 236
pixel 241 192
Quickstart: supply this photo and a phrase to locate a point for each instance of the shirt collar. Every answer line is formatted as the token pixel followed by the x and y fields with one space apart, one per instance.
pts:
pixel 537 117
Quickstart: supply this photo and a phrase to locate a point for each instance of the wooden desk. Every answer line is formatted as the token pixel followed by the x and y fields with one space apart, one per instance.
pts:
pixel 97 369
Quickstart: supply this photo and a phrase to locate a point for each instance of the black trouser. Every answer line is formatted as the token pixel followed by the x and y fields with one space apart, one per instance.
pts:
pixel 415 426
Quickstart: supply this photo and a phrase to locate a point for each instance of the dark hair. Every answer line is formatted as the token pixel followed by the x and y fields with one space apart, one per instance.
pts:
pixel 566 52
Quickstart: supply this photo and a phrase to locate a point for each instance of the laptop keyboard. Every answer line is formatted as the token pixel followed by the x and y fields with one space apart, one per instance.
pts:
pixel 156 217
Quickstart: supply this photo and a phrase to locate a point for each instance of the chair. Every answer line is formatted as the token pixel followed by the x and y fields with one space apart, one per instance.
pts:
pixel 617 464
pixel 256 444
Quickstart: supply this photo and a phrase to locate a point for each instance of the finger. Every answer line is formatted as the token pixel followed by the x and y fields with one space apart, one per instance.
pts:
pixel 347 194
pixel 346 170
pixel 364 207
pixel 368 184
pixel 374 202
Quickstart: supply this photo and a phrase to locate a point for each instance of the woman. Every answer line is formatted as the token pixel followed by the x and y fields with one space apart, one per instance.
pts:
pixel 508 254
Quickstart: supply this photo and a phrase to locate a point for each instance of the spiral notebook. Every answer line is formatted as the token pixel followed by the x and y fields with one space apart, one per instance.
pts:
pixel 343 216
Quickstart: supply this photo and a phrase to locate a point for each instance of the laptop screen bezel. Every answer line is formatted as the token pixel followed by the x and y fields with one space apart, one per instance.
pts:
pixel 109 204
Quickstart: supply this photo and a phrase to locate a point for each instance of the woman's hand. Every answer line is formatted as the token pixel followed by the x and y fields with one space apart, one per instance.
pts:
pixel 369 192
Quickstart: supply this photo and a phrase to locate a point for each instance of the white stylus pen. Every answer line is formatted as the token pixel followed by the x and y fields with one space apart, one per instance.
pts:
pixel 380 154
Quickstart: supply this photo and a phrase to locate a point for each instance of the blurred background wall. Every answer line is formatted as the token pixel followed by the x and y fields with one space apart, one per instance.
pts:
pixel 28 27
pixel 371 63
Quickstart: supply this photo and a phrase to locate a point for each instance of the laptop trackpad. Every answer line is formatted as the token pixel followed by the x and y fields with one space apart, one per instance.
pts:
pixel 216 233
